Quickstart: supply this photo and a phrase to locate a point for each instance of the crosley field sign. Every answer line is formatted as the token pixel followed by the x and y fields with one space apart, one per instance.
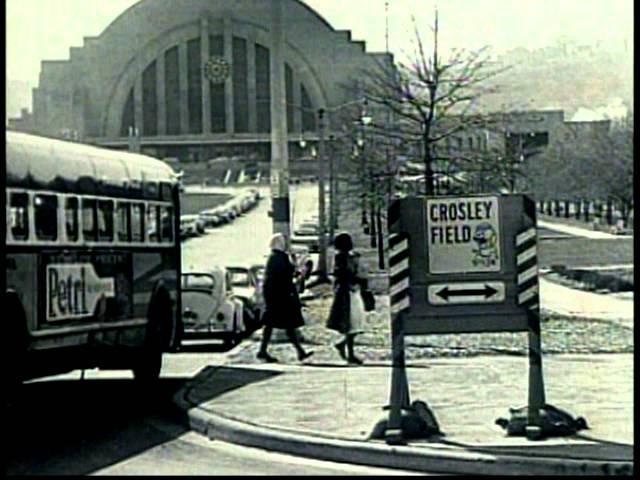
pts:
pixel 463 235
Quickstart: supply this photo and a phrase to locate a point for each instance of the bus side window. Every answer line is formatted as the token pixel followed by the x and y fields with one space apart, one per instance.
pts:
pixel 89 227
pixel 152 223
pixel 137 222
pixel 105 220
pixel 124 229
pixel 19 216
pixel 166 220
pixel 46 216
pixel 71 218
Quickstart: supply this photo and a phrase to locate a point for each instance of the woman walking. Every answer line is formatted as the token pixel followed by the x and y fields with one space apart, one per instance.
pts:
pixel 282 305
pixel 347 310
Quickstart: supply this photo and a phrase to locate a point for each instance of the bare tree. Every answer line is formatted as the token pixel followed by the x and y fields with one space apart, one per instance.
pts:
pixel 432 99
pixel 596 167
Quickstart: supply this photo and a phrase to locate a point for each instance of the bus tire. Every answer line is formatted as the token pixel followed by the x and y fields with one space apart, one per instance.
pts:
pixel 148 361
pixel 16 347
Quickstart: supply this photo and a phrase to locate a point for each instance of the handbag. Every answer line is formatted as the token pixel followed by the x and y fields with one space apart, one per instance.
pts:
pixel 368 299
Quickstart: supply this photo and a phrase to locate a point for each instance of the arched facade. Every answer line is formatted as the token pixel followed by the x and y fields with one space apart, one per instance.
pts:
pixel 192 78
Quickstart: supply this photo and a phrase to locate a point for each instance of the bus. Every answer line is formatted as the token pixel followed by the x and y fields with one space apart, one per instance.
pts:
pixel 92 259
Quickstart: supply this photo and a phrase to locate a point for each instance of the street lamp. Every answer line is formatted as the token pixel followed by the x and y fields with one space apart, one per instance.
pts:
pixel 365 119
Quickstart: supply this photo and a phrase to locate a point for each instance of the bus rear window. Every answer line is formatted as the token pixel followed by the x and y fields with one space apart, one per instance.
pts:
pixel 71 218
pixel 19 216
pixel 46 216
pixel 89 228
pixel 137 222
pixel 105 220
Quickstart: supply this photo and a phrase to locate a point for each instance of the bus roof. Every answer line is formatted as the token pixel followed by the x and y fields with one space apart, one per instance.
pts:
pixel 49 164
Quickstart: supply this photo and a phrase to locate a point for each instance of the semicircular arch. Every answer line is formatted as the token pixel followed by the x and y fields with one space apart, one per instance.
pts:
pixel 164 41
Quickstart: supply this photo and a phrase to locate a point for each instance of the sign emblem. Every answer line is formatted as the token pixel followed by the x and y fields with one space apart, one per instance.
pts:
pixel 486 252
pixel 217 70
pixel 463 235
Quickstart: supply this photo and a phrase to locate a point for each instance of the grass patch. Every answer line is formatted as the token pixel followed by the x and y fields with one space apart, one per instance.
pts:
pixel 560 334
pixel 614 280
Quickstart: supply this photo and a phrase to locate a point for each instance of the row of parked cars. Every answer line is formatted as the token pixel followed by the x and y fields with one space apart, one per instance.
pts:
pixel 196 224
pixel 227 303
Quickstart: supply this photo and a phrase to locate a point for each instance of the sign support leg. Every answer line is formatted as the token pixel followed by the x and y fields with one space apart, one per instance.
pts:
pixel 536 383
pixel 399 385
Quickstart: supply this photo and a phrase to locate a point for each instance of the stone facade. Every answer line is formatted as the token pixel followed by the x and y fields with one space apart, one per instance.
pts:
pixel 149 75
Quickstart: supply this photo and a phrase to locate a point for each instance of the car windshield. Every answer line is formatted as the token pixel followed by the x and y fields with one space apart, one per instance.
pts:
pixel 240 278
pixel 258 272
pixel 198 280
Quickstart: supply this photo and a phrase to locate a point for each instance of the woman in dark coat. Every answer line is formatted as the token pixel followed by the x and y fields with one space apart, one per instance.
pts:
pixel 347 311
pixel 282 305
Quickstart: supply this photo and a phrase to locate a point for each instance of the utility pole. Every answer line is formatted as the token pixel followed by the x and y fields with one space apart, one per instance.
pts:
pixel 279 137
pixel 332 190
pixel 134 139
pixel 322 258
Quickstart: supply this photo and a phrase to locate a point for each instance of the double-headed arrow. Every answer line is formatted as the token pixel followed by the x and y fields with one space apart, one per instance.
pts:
pixel 487 291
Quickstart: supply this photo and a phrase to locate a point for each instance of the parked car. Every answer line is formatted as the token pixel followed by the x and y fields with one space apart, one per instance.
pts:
pixel 223 214
pixel 210 218
pixel 306 236
pixel 191 226
pixel 300 255
pixel 209 307
pixel 248 289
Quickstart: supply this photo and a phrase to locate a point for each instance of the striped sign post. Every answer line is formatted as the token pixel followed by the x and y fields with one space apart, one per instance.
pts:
pixel 399 301
pixel 528 298
pixel 398 272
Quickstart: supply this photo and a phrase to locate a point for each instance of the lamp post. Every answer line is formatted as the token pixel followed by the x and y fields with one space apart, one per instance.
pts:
pixel 322 240
pixel 332 192
pixel 364 121
pixel 279 142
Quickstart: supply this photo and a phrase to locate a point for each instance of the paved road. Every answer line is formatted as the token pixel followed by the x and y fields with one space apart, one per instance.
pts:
pixel 105 425
pixel 245 241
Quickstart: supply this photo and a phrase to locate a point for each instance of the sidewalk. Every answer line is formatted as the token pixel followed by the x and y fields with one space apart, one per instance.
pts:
pixel 328 410
pixel 571 302
pixel 578 231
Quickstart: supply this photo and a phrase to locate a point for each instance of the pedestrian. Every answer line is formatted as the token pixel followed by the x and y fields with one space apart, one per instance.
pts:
pixel 282 305
pixel 347 310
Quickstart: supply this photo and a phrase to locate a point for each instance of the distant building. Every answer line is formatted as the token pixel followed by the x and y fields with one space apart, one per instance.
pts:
pixel 190 79
pixel 517 135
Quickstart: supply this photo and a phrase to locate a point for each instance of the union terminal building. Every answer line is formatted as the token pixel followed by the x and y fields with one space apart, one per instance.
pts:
pixel 190 80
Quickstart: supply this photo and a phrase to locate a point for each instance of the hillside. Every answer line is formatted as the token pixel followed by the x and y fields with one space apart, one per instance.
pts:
pixel 552 78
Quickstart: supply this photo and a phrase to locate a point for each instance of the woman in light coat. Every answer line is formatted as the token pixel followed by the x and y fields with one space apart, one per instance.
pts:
pixel 347 310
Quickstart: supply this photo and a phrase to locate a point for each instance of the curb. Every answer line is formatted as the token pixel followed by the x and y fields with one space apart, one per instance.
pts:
pixel 218 427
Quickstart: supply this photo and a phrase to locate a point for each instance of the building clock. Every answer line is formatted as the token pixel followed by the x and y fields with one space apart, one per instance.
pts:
pixel 217 69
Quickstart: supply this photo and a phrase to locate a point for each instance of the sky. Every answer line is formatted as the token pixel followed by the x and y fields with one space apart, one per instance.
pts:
pixel 45 29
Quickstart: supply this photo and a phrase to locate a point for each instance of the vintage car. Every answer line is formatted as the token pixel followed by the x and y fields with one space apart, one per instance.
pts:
pixel 247 287
pixel 307 237
pixel 211 218
pixel 209 307
pixel 191 226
